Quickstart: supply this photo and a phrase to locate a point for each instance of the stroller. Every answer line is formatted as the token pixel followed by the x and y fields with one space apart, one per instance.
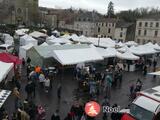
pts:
pixel 41 113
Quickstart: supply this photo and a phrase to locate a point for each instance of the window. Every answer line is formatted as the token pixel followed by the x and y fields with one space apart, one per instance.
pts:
pixel 99 29
pixel 139 32
pixel 156 33
pixel 144 41
pixel 146 24
pixel 121 29
pixel 77 25
pixel 19 11
pixel 112 24
pixel 121 34
pixel 102 24
pixel 140 24
pixel 157 24
pixel 109 30
pixel 154 41
pixel 106 24
pixel 86 33
pixel 151 24
pixel 138 40
pixel 145 32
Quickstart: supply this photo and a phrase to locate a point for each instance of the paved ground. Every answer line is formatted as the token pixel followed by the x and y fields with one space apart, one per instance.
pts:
pixel 119 94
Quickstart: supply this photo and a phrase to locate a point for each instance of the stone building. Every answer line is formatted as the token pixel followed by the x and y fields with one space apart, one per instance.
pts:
pixel 19 12
pixel 148 29
pixel 85 22
pixel 105 27
pixel 124 31
pixel 47 18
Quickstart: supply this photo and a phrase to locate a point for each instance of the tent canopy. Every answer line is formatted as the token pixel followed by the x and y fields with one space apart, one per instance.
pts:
pixel 67 36
pixel 142 50
pixel 103 42
pixel 23 50
pixel 127 56
pixel 58 40
pixel 50 38
pixel 74 55
pixel 8 58
pixel 155 73
pixel 21 32
pixel 131 43
pixel 157 47
pixel 26 39
pixel 37 34
pixel 44 44
pixel 107 53
pixel 5 69
pixel 123 49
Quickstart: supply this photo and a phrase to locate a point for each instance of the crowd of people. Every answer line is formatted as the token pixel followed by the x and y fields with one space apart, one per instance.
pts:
pixel 90 80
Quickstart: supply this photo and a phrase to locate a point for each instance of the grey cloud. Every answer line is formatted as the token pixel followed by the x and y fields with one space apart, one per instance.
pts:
pixel 99 5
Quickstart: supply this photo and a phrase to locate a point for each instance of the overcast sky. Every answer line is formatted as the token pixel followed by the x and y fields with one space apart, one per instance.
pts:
pixel 99 5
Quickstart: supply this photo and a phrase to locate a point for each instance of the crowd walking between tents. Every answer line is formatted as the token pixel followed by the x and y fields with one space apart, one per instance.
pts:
pixel 42 77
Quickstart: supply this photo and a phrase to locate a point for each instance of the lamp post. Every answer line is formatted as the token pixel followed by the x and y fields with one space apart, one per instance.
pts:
pixel 99 36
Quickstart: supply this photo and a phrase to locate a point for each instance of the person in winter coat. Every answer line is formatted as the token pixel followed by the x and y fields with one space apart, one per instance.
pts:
pixel 55 115
pixel 47 84
pixel 24 115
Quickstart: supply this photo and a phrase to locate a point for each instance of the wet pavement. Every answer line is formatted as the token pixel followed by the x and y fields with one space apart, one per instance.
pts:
pixel 119 94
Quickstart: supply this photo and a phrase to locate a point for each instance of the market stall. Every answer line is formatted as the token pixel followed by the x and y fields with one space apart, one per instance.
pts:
pixel 129 57
pixel 4 94
pixel 5 69
pixel 26 39
pixel 23 50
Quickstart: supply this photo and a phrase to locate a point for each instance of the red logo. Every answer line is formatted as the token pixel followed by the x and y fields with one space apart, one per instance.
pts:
pixel 92 109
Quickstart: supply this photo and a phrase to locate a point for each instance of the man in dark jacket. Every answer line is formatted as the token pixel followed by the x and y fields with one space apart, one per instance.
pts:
pixel 55 115
pixel 29 90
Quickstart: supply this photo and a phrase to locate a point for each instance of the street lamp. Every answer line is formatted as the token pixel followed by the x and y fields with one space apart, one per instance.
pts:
pixel 99 36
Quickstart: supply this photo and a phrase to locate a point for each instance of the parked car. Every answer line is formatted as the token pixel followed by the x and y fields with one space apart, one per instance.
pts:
pixel 146 106
pixel 6 48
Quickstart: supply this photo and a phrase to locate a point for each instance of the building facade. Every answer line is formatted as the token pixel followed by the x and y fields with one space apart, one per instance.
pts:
pixel 105 27
pixel 147 30
pixel 19 12
pixel 124 32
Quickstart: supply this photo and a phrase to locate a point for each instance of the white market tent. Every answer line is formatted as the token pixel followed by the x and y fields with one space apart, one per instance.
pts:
pixel 83 39
pixel 37 34
pixel 56 32
pixel 155 73
pixel 5 69
pixel 66 36
pixel 52 37
pixel 103 42
pixel 131 43
pixel 21 32
pixel 74 37
pixel 127 56
pixel 44 44
pixel 26 39
pixel 157 47
pixel 107 53
pixel 72 56
pixel 123 49
pixel 23 50
pixel 142 50
pixel 8 39
pixel 120 44
pixel 153 46
pixel 59 40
